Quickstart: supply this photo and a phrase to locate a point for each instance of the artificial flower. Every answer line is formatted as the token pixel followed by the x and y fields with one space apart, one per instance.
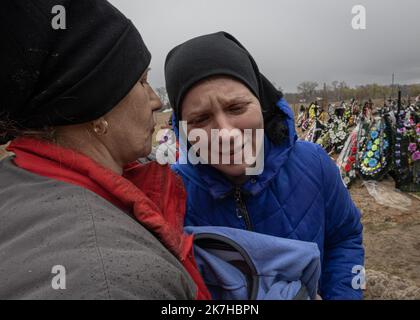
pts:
pixel 373 163
pixel 412 147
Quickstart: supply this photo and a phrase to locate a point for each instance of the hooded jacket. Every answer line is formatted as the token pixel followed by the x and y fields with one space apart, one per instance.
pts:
pixel 299 195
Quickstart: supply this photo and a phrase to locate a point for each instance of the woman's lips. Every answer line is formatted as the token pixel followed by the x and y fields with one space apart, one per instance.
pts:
pixel 233 152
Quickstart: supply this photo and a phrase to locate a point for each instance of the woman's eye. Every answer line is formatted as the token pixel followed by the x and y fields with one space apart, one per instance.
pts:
pixel 199 120
pixel 144 79
pixel 239 108
pixel 143 82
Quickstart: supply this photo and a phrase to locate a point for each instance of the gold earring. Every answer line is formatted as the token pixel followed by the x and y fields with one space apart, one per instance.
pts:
pixel 105 126
pixel 101 128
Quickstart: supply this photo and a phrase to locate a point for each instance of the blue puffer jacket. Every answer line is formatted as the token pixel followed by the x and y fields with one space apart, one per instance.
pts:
pixel 300 195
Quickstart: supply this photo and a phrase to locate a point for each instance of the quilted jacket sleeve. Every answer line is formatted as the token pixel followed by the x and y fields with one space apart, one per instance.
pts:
pixel 343 237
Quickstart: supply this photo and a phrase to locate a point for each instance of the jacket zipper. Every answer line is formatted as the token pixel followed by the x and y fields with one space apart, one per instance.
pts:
pixel 241 210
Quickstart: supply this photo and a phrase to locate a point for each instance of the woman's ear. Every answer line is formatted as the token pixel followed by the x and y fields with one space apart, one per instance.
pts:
pixel 100 126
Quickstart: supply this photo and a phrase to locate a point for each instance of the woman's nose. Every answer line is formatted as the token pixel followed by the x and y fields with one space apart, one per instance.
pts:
pixel 155 100
pixel 223 122
pixel 227 130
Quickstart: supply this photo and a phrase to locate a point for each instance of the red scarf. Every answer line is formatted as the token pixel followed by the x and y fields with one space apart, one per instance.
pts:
pixel 152 193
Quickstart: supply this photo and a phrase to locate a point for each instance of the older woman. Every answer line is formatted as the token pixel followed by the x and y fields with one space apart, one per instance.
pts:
pixel 78 218
pixel 214 83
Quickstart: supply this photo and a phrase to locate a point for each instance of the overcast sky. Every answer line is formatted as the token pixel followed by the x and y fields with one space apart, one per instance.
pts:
pixel 292 40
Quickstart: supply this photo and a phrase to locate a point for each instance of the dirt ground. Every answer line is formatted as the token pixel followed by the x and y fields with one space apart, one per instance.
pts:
pixel 392 244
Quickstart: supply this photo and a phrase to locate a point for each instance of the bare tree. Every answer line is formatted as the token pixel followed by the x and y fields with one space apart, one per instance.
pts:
pixel 307 89
pixel 342 89
pixel 335 85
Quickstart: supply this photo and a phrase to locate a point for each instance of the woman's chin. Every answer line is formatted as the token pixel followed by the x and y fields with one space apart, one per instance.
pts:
pixel 231 170
pixel 144 151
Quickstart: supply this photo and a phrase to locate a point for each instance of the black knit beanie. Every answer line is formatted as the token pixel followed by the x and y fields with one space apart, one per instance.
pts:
pixel 221 54
pixel 67 76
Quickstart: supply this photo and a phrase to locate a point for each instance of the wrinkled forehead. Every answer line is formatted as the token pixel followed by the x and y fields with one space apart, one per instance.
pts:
pixel 221 88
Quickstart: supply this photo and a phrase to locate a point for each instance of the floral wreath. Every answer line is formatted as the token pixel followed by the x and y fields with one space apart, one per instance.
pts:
pixel 407 151
pixel 374 154
pixel 337 132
